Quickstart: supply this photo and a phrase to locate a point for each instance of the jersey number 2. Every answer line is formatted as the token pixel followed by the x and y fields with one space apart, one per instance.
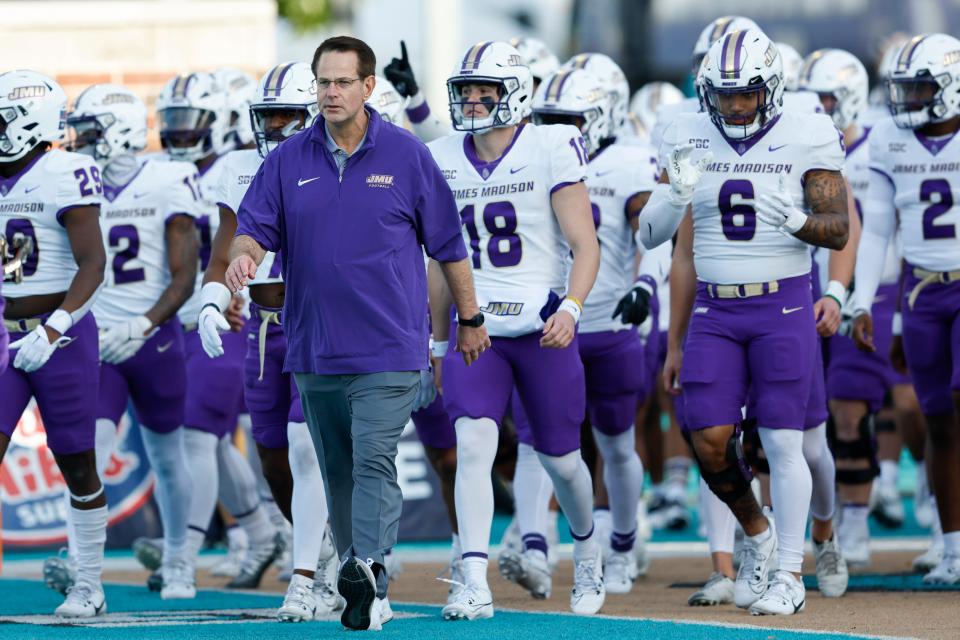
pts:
pixel 943 204
pixel 125 233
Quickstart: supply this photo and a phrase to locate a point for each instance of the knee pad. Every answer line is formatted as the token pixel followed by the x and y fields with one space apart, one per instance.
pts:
pixel 863 448
pixel 752 449
pixel 731 483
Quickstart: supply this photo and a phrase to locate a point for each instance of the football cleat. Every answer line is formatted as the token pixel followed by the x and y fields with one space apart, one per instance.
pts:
pixel 588 591
pixel 255 564
pixel 60 572
pixel 529 570
pixel 178 581
pixel 785 597
pixel 619 572
pixel 755 565
pixel 84 600
pixel 299 605
pixel 832 575
pixel 472 602
pixel 947 572
pixel 717 590
pixel 148 552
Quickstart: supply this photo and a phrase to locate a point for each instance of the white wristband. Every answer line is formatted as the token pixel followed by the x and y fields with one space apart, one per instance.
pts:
pixel 897 324
pixel 837 291
pixel 439 348
pixel 572 308
pixel 60 321
pixel 217 294
pixel 795 222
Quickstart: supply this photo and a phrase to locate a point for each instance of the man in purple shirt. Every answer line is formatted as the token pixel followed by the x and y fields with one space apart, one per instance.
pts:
pixel 348 204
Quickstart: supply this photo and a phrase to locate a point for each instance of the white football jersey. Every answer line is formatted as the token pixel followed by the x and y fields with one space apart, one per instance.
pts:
pixel 665 116
pixel 731 246
pixel 133 221
pixel 802 102
pixel 208 221
pixel 32 203
pixel 925 175
pixel 512 236
pixel 239 168
pixel 615 175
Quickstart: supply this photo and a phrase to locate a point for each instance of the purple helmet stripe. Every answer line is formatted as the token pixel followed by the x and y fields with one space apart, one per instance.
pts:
pixel 472 59
pixel 736 53
pixel 280 77
pixel 906 54
pixel 812 60
pixel 720 26
pixel 268 85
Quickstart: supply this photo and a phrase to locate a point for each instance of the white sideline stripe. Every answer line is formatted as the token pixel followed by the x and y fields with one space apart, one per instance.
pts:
pixel 13 568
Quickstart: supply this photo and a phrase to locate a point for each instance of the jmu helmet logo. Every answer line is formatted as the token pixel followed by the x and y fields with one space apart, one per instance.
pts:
pixel 118 98
pixel 31 91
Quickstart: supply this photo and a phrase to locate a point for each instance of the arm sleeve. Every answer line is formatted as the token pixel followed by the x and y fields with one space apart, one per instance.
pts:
pixel 182 192
pixel 426 125
pixel 437 218
pixel 78 184
pixel 258 215
pixel 660 219
pixel 879 222
pixel 656 263
pixel 568 162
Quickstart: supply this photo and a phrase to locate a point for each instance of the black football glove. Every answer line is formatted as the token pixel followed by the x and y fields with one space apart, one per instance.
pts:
pixel 634 307
pixel 400 74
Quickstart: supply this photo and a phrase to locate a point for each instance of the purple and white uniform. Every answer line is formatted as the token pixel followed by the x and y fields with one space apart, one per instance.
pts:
pixel 735 340
pixel 33 203
pixel 612 352
pixel 271 396
pixel 133 221
pixel 916 180
pixel 519 267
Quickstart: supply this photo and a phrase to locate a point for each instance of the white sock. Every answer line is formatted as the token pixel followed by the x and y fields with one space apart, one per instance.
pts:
pixel 823 472
pixel 790 491
pixel 623 477
pixel 477 440
pixel 854 521
pixel 201 453
pixel 475 571
pixel 455 549
pixel 532 489
pixel 676 469
pixel 167 457
pixel 237 537
pixel 719 521
pixel 90 526
pixel 309 501
pixel 238 492
pixel 951 543
pixel 574 489
pixel 106 440
pixel 889 471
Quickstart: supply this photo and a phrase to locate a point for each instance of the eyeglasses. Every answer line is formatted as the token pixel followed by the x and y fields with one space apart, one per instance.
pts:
pixel 342 83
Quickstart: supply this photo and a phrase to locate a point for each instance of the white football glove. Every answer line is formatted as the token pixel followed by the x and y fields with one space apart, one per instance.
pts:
pixel 778 210
pixel 121 342
pixel 428 390
pixel 211 323
pixel 684 174
pixel 35 349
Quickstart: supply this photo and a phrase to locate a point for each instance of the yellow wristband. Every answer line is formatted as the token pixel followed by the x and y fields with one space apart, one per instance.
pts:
pixel 575 300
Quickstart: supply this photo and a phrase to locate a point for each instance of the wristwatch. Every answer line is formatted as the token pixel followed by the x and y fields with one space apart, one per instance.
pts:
pixel 474 322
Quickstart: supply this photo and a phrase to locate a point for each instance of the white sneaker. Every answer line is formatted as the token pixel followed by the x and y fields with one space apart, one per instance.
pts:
pixel 386 613
pixel 929 559
pixel 359 587
pixel 60 572
pixel 855 543
pixel 325 578
pixel 392 564
pixel 754 573
pixel 717 590
pixel 640 556
pixel 299 605
pixel 832 574
pixel 619 572
pixel 888 506
pixel 785 597
pixel 256 561
pixel 472 602
pixel 229 567
pixel 588 591
pixel 148 552
pixel 179 582
pixel 511 540
pixel 84 600
pixel 529 570
pixel 947 572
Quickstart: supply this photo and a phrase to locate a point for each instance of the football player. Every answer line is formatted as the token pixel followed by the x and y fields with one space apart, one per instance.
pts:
pixel 644 106
pixel 151 241
pixel 619 180
pixel 746 219
pixel 49 201
pixel 913 158
pixel 193 122
pixel 520 192
pixel 285 104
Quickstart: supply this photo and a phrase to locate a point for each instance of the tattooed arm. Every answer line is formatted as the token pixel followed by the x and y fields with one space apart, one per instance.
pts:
pixel 828 225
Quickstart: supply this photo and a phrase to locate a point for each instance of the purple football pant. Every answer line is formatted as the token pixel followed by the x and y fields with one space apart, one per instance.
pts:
pixel 550 382
pixel 654 351
pixel 931 343
pixel 66 389
pixel 858 375
pixel 4 342
pixel 155 379
pixel 434 428
pixel 271 396
pixel 614 371
pixel 767 342
pixel 214 385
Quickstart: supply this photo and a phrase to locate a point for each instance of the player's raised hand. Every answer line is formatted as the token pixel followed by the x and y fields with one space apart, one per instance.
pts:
pixel 242 270
pixel 400 74
pixel 684 174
